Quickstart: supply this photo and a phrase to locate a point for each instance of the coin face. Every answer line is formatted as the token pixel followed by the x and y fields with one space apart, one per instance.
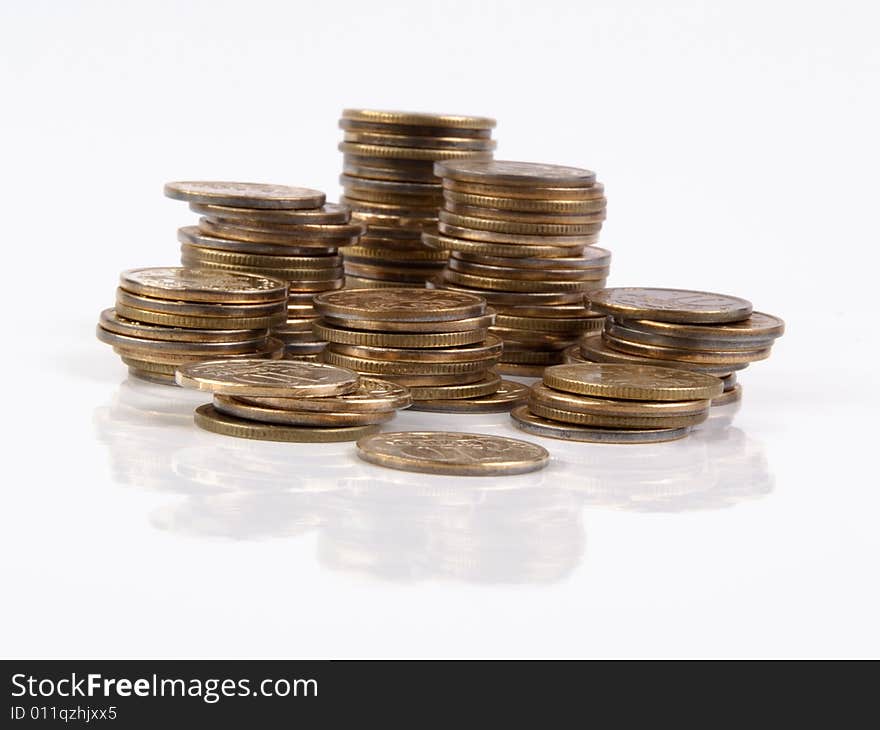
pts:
pixel 399 304
pixel 508 395
pixel 198 285
pixel 632 382
pixel 508 172
pixel 210 419
pixel 418 118
pixel 285 378
pixel 530 423
pixel 464 454
pixel 244 194
pixel 669 305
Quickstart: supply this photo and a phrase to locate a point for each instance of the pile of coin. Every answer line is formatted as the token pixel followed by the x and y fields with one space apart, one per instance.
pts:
pixel 288 400
pixel 435 343
pixel 690 330
pixel 612 403
pixel 389 183
pixel 288 233
pixel 165 317
pixel 521 235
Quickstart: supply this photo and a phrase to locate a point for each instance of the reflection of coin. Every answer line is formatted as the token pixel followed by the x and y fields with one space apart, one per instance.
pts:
pixel 508 395
pixel 232 406
pixel 525 420
pixel 201 285
pixel 465 454
pixel 284 378
pixel 210 419
pixel 372 394
pixel 245 195
pixel 670 305
pixel 632 382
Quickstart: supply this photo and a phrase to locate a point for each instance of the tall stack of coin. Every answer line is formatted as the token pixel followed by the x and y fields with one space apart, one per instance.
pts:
pixel 520 234
pixel 290 401
pixel 168 316
pixel 285 232
pixel 389 183
pixel 435 343
pixel 614 403
pixel 690 330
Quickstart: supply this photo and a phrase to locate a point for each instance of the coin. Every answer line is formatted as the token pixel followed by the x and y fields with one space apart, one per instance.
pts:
pixel 358 282
pixel 327 213
pixel 361 195
pixel 418 214
pixel 729 381
pixel 418 118
pixel 551 398
pixel 402 367
pixel 399 305
pixel 496 225
pixel 526 371
pixel 729 396
pixel 416 382
pixel 198 322
pixel 245 195
pixel 611 421
pixel 149 377
pixel 526 192
pixel 524 274
pixel 111 321
pixel 563 325
pixel 195 349
pixel 200 309
pixel 347 234
pixel 364 253
pixel 357 166
pixel 311 266
pixel 491 236
pixel 743 344
pixel 410 153
pixel 511 285
pixel 669 305
pixel 371 394
pixel 418 189
pixel 594 349
pixel 531 357
pixel 490 348
pixel 343 336
pixel 632 382
pixel 507 172
pixel 467 324
pixel 271 348
pixel 282 378
pixel 232 406
pixel 758 327
pixel 506 250
pixel 503 298
pixel 210 419
pixel 592 257
pixel 195 285
pixel 698 357
pixel 461 454
pixel 508 395
pixel 531 205
pixel 401 274
pixel 527 421
pixel 413 129
pixel 399 140
pixel 193 236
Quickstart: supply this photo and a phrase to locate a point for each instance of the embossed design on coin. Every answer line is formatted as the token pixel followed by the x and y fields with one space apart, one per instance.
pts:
pixel 439 452
pixel 285 378
pixel 399 304
pixel 175 282
pixel 669 305
pixel 632 382
pixel 244 194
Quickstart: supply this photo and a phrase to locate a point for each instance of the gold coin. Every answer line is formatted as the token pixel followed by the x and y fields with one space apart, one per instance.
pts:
pixel 511 285
pixel 359 195
pixel 468 324
pixel 525 371
pixel 231 406
pixel 530 205
pixel 507 172
pixel 757 327
pixel 526 192
pixel 245 195
pixel 271 348
pixel 356 253
pixel 357 282
pixel 194 349
pixel 475 234
pixel 274 378
pixel 410 153
pixel 614 407
pixel 201 285
pixel 563 325
pixel 412 129
pixel 592 258
pixel 494 225
pixel 392 187
pixel 534 220
pixel 193 236
pixel 387 225
pixel 372 394
pixel 594 349
pixel 420 213
pixel 399 305
pixel 416 382
pixel 111 321
pixel 490 349
pixel 508 395
pixel 343 336
pixel 411 274
pixel 149 377
pixel 298 230
pixel 327 213
pixel 670 305
pixel 296 284
pixel 531 357
pixel 418 119
pixel 480 388
pixel 608 421
pixel 632 382
pixel 531 339
pixel 697 357
pixel 506 250
pixel 199 309
pixel 336 236
pixel 402 367
pixel 462 454
pixel 576 309
pixel 357 167
pixel 169 319
pixel 210 419
pixel 420 142
pixel 732 395
pixel 310 265
pixel 304 348
pixel 687 344
pixel 537 426
pixel 504 298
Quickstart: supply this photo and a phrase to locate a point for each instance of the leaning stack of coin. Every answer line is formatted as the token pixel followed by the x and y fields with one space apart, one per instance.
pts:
pixel 436 343
pixel 273 230
pixel 615 403
pixel 165 317
pixel 520 235
pixel 291 401
pixel 389 183
pixel 689 330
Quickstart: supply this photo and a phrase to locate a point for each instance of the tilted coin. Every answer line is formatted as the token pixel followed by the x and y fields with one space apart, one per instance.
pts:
pixel 402 367
pixel 489 236
pixel 272 349
pixel 245 195
pixel 594 349
pixel 467 324
pixel 210 419
pixel 111 320
pixel 632 382
pixel 480 388
pixel 304 348
pixel 232 406
pixel 274 378
pixel 399 305
pixel 526 192
pixel 758 326
pixel 343 336
pixel 537 426
pixel 418 118
pixel 507 172
pixel 743 344
pixel 413 129
pixel 592 257
pixel 348 235
pixel 505 203
pixel 506 250
pixel 530 218
pixel 195 349
pixel 327 213
pixel 490 348
pixel 496 225
pixel 293 277
pixel 197 285
pixel 532 339
pixel 463 454
pixel 732 395
pixel 698 357
pixel 371 394
pixel 410 153
pixel 614 407
pixel 399 140
pixel 171 319
pixel 299 230
pixel 670 305
pixel 611 421
pixel 200 309
pixel 508 395
pixel 193 236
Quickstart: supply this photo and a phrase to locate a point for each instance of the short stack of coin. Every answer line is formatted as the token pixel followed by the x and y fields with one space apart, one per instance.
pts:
pixel 165 317
pixel 691 330
pixel 520 234
pixel 435 343
pixel 611 403
pixel 389 183
pixel 285 232
pixel 291 401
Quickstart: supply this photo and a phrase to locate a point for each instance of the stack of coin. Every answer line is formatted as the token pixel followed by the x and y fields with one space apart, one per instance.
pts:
pixel 168 316
pixel 291 401
pixel 613 403
pixel 520 234
pixel 389 183
pixel 436 343
pixel 273 230
pixel 690 330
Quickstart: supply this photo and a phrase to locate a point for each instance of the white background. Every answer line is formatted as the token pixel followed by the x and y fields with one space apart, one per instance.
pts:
pixel 738 144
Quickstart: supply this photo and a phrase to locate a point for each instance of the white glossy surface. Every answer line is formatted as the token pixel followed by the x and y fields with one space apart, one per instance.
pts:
pixel 739 156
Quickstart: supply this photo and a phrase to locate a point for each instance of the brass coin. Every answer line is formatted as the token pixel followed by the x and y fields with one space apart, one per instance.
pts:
pixel 511 285
pixel 526 371
pixel 412 274
pixel 608 421
pixel 697 357
pixel 534 220
pixel 199 309
pixel 232 406
pixel 594 349
pixel 757 327
pixel 410 153
pixel 343 336
pixel 705 344
pixel 357 282
pixel 416 383
pixel 592 258
pixel 399 305
pixel 245 195
pixel 632 382
pixel 413 129
pixel 201 285
pixel 494 225
pixel 508 395
pixel 490 349
pixel 732 395
pixel 503 298
pixel 537 426
pixel 360 196
pixel 210 419
pixel 480 388
pixel 419 119
pixel 310 265
pixel 359 253
pixel 551 311
pixel 111 321
pixel 195 349
pixel 327 213
pixel 526 192
pixel 474 234
pixel 170 319
pixel 149 377
pixel 295 282
pixel 531 339
pixel 467 324
pixel 504 203
pixel 614 407
pixel 273 378
pixel 356 167
pixel 299 230
pixel 461 454
pixel 391 187
pixel 507 172
pixel 421 214
pixel 194 237
pixel 272 349
pixel 421 142
pixel 304 348
pixel 670 305
pixel 488 248
pixel 563 325
pixel 336 236
pixel 402 367
pixel 531 357
pixel 371 395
